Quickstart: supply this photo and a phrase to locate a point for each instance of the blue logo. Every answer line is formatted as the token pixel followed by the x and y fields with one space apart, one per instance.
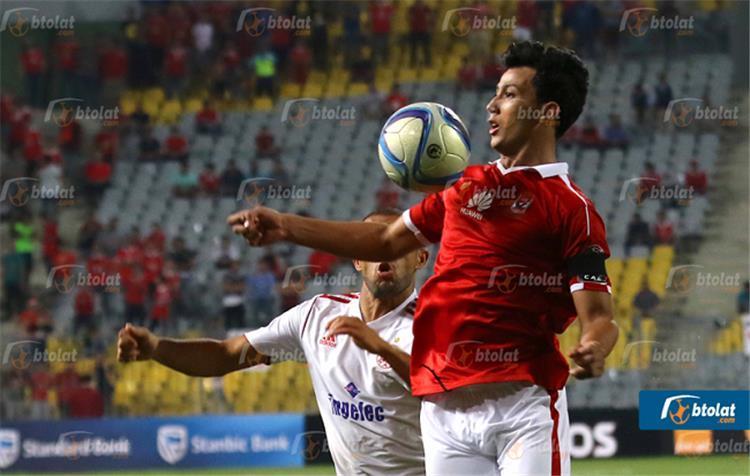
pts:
pixel 352 389
pixel 694 410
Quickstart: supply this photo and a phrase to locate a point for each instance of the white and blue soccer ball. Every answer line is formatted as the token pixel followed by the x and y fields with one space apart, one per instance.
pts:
pixel 424 147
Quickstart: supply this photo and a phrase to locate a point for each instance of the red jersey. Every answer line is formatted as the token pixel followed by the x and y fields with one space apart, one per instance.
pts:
pixel 501 289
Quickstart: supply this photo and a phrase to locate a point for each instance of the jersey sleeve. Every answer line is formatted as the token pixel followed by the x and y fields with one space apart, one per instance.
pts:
pixel 585 250
pixel 425 219
pixel 281 338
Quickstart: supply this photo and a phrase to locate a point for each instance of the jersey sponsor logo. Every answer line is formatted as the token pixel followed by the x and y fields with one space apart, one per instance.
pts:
pixel 360 411
pixel 352 389
pixel 328 341
pixel 482 199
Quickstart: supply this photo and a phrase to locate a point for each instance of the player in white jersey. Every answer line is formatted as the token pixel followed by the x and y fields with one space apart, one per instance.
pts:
pixel 357 348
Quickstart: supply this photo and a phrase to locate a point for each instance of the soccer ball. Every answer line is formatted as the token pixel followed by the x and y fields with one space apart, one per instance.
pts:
pixel 424 147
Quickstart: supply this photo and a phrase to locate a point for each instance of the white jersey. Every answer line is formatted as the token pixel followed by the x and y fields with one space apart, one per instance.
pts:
pixel 370 417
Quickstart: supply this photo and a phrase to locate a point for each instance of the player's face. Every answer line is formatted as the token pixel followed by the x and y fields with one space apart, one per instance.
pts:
pixel 390 278
pixel 510 120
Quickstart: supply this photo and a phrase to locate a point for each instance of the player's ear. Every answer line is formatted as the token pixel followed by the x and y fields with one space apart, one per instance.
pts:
pixel 422 257
pixel 357 264
pixel 550 113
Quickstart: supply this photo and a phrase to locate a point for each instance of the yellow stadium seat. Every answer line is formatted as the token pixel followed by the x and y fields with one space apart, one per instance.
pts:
pixel 128 105
pixel 358 89
pixel 170 111
pixel 154 95
pixel 263 104
pixel 193 105
pixel 290 90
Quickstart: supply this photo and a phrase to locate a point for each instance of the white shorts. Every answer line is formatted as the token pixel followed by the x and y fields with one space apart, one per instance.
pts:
pixel 508 429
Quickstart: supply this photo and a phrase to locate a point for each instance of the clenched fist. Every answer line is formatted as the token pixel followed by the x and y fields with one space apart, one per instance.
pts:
pixel 259 226
pixel 135 343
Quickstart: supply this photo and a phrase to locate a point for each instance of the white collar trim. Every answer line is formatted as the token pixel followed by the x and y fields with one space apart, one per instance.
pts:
pixel 553 169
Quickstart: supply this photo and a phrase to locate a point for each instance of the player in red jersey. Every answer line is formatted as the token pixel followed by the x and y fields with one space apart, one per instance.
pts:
pixel 522 253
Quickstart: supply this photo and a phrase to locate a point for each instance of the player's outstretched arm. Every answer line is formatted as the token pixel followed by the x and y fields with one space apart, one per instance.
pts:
pixel 598 333
pixel 194 357
pixel 369 340
pixel 368 241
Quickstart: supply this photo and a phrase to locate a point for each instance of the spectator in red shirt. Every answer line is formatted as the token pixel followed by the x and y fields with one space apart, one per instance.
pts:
pixel 7 112
pixel 65 382
pixel 65 276
pixel 34 317
pixel 135 289
pixel 157 37
pixel 388 195
pixel 84 310
pixel 176 146
pixel 663 230
pixel 265 144
pixel 420 23
pixel 395 100
pixel 85 401
pixel 67 51
pixel 20 126
pixel 696 178
pixel 650 179
pixel 381 16
pixel 153 264
pixel 106 141
pixel 209 181
pixel 50 241
pixel 69 137
pixel 113 70
pixel 33 151
pixel 491 70
pixel 208 120
pixel 98 176
pixel 34 66
pixel 321 262
pixel 300 61
pixel 175 69
pixel 41 382
pixel 162 306
pixel 589 136
pixel 156 237
pixel 467 75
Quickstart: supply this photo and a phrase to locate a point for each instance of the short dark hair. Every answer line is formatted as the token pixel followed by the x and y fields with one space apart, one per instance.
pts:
pixel 385 212
pixel 560 76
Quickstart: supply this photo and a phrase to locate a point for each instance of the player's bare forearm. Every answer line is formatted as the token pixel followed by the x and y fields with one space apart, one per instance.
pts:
pixel 205 357
pixel 368 241
pixel 597 320
pixel 598 333
pixel 398 360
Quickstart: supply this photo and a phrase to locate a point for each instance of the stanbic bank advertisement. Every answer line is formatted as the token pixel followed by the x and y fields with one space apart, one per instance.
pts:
pixel 189 442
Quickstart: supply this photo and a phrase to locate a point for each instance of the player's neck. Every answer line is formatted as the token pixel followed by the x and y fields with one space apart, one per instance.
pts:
pixel 534 152
pixel 373 308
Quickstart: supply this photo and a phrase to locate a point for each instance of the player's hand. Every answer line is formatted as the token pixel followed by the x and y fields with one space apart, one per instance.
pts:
pixel 259 225
pixel 361 333
pixel 135 343
pixel 589 359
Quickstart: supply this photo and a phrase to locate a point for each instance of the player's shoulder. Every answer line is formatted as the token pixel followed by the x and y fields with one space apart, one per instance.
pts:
pixel 569 194
pixel 326 301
